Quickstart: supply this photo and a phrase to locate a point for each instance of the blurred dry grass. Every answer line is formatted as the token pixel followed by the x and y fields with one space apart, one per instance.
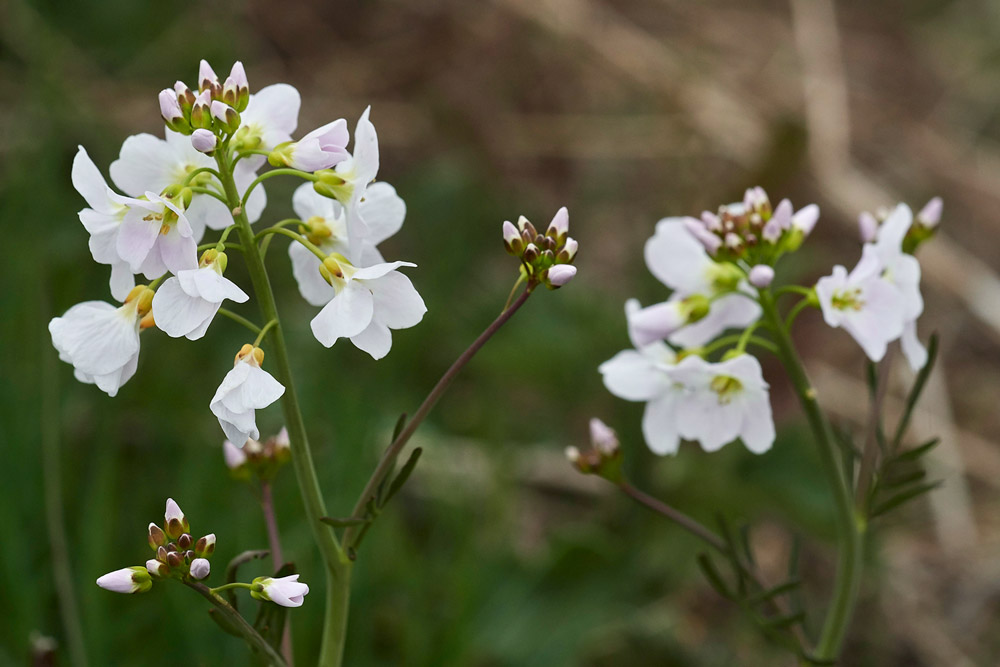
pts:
pixel 628 111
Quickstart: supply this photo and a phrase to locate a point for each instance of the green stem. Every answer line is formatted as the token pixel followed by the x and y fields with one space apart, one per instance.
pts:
pixel 235 584
pixel 215 244
pixel 251 636
pixel 309 245
pixel 239 319
pixel 263 332
pixel 209 192
pixel 267 240
pixel 849 527
pixel 263 177
pixel 199 170
pixel 389 458
pixel 337 565
pixel 735 338
pixel 796 309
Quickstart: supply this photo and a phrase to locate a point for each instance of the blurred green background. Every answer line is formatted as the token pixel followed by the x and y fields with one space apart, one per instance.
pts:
pixel 497 553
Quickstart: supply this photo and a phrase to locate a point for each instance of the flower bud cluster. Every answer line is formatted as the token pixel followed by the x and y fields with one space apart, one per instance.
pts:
pixel 753 230
pixel 213 112
pixel 545 258
pixel 256 459
pixel 177 555
pixel 604 458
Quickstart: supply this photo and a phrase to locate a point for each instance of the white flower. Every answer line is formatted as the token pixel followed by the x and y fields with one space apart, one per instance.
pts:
pixel 102 221
pixel 869 307
pixel 320 149
pixel 127 580
pixel 285 591
pixel 724 401
pixel 148 163
pixel 269 119
pixel 656 322
pixel 368 303
pixel 185 304
pixel 641 375
pixel 383 211
pixel 245 389
pixel 156 237
pixel 101 341
pixel 903 271
pixel 731 311
pixel 200 568
pixel 352 176
pixel 234 456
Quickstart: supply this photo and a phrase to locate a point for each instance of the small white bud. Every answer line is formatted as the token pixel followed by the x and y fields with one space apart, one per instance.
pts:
pixel 805 219
pixel 204 140
pixel 239 75
pixel 206 75
pixel 281 440
pixel 560 274
pixel 572 454
pixel 156 568
pixel 170 108
pixel 200 568
pixel 867 227
pixel 559 224
pixel 930 214
pixel 761 275
pixel 127 580
pixel 603 437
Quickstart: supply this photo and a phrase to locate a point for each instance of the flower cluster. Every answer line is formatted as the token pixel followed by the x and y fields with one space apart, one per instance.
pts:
pixel 719 268
pixel 258 459
pixel 203 175
pixel 176 556
pixel 545 258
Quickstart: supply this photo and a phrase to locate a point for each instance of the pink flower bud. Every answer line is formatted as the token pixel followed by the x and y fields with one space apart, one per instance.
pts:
pixel 239 75
pixel 234 456
pixel 805 219
pixel 560 224
pixel 206 76
pixel 700 231
pixel 203 140
pixel 560 274
pixel 761 275
pixel 170 109
pixel 867 227
pixel 219 110
pixel 930 214
pixel 603 437
pixel 200 568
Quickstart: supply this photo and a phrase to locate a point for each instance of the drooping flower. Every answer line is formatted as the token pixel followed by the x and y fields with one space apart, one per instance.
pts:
pixel 148 163
pixel 102 221
pixel 185 304
pixel 322 148
pixel 369 302
pixel 101 341
pixel 866 305
pixel 641 375
pixel 722 402
pixel 349 180
pixel 134 579
pixel 284 591
pixel 383 211
pixel 245 389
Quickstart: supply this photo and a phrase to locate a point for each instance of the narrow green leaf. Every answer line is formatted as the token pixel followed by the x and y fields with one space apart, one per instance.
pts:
pixel 917 452
pixel 786 621
pixel 918 387
pixel 770 593
pixel 903 497
pixel 902 479
pixel 380 498
pixel 404 474
pixel 745 543
pixel 343 522
pixel 713 576
pixel 734 553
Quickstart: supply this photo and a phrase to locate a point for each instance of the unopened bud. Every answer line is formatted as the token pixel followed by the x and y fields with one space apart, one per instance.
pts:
pixel 560 274
pixel 930 215
pixel 531 253
pixel 157 569
pixel 206 76
pixel 170 108
pixel 176 522
pixel 225 115
pixel 204 141
pixel 761 275
pixel 525 226
pixel 867 227
pixel 205 546
pixel 559 226
pixel 161 553
pixel 184 542
pixel 234 456
pixel 512 240
pixel 185 98
pixel 603 437
pixel 201 116
pixel 133 579
pixel 157 538
pixel 805 219
pixel 568 252
pixel 239 77
pixel 174 559
pixel 200 568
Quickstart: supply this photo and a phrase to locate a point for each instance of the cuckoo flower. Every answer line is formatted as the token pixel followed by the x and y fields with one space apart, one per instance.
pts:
pixel 642 375
pixel 245 389
pixel 102 221
pixel 156 237
pixel 271 115
pixel 724 401
pixel 101 341
pixel 186 304
pixel 322 148
pixel 285 591
pixel 368 303
pixel 326 227
pixel 869 307
pixel 348 182
pixel 148 163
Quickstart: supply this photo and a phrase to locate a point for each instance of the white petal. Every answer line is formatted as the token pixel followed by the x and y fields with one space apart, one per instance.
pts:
pixel 758 425
pixel 659 425
pixel 307 203
pixel 305 268
pixel 383 211
pixel 826 287
pixel 136 238
pixel 397 303
pixel 633 376
pixel 678 259
pixel 731 311
pixel 892 231
pixel 275 109
pixel 208 284
pixel 244 175
pixel 379 270
pixel 88 181
pixel 144 163
pixel 879 321
pixel 178 252
pixel 376 340
pixel 177 313
pixel 348 314
pixel 913 349
pixel 365 149
pixel 122 280
pixel 96 337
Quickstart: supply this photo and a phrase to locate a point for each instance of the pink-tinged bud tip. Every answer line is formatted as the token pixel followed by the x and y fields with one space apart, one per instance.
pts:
pixel 867 227
pixel 570 247
pixel 234 456
pixel 219 110
pixel 603 437
pixel 204 140
pixel 805 219
pixel 560 274
pixel 203 99
pixel 930 214
pixel 282 440
pixel 173 511
pixel 239 75
pixel 200 568
pixel 761 275
pixel 510 231
pixel 170 109
pixel 206 73
pixel 560 222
